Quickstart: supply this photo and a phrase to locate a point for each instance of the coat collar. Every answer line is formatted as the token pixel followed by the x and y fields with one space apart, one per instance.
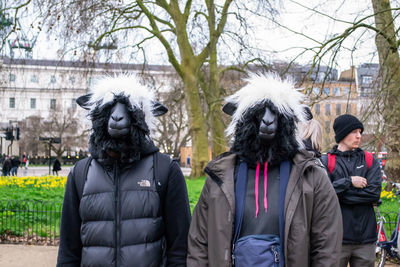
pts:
pixel 222 170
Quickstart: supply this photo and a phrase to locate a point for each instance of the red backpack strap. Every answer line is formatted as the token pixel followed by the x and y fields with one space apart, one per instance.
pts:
pixel 331 162
pixel 369 158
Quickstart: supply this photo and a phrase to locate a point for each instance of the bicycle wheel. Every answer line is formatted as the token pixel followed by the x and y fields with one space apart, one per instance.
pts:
pixel 380 256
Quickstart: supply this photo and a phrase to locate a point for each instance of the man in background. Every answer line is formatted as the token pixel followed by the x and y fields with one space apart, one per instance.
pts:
pixel 356 178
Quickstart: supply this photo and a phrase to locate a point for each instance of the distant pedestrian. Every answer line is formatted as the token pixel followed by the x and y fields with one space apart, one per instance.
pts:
pixel 188 161
pixel 56 166
pixel 3 157
pixel 6 168
pixel 15 162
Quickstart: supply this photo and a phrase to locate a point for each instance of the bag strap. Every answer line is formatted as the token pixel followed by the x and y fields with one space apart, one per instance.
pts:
pixel 161 164
pixel 240 195
pixel 369 158
pixel 284 173
pixel 81 169
pixel 331 162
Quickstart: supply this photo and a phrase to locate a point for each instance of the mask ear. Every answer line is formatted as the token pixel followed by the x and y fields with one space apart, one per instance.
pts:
pixel 83 101
pixel 159 109
pixel 229 108
pixel 308 113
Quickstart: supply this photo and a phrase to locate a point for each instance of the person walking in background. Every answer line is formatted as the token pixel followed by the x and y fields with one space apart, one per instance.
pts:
pixel 15 162
pixel 356 178
pixel 6 168
pixel 3 158
pixel 188 162
pixel 56 167
pixel 311 133
pixel 25 162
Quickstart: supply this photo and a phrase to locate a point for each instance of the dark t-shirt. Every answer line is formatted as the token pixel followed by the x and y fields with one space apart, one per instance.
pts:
pixel 265 223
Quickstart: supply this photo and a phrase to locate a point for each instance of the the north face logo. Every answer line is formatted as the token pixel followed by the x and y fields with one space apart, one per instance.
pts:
pixel 144 183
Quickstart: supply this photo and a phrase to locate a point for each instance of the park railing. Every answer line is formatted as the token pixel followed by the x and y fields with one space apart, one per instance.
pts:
pixel 30 222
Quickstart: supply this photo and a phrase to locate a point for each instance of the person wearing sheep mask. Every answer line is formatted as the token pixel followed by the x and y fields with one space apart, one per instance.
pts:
pixel 127 204
pixel 268 201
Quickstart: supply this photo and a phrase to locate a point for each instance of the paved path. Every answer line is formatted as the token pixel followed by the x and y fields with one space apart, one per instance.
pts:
pixel 28 256
pixel 38 256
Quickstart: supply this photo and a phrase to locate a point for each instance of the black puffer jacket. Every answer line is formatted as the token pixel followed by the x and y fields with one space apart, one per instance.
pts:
pixel 359 223
pixel 120 221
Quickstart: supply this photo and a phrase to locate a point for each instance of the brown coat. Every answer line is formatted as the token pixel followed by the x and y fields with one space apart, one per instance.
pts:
pixel 313 221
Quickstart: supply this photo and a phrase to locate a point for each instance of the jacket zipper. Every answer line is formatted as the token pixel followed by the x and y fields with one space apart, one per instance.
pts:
pixel 116 214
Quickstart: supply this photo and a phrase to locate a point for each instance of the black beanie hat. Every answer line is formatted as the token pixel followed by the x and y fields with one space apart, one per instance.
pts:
pixel 344 124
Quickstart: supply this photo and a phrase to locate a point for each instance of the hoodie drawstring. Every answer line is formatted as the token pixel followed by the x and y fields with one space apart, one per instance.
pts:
pixel 265 187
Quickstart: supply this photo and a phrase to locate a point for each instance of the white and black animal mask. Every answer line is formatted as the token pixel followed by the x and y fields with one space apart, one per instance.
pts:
pixel 261 88
pixel 249 106
pixel 139 96
pixel 122 112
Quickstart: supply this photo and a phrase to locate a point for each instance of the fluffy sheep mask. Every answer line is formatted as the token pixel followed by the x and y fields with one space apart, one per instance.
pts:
pixel 139 96
pixel 261 88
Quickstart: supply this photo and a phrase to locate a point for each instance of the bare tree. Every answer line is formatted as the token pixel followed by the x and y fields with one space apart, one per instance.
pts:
pixel 173 128
pixel 30 133
pixel 60 124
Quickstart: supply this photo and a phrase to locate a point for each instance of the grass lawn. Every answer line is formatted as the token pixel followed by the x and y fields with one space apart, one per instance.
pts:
pixel 194 187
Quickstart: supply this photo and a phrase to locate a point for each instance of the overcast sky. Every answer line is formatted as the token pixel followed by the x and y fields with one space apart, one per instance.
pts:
pixel 283 44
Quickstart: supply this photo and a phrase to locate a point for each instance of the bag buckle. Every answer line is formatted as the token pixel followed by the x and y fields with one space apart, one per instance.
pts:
pixel 276 254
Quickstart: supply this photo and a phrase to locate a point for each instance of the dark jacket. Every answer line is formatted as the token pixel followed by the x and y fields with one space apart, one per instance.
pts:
pixel 7 165
pixel 313 228
pixel 150 233
pixel 56 165
pixel 15 162
pixel 359 223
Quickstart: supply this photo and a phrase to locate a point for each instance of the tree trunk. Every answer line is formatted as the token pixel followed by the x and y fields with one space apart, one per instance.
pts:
pixel 213 98
pixel 198 127
pixel 390 72
pixel 213 90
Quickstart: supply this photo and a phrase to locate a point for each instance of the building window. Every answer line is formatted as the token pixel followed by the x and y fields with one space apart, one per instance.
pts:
pixel 73 103
pixel 328 109
pixel 367 79
pixel 72 79
pixel 327 126
pixel 52 104
pixel 338 109
pixel 12 77
pixel 33 78
pixel 33 103
pixel 12 102
pixel 336 91
pixel 53 79
pixel 364 92
pixel 327 90
pixel 346 90
pixel 317 109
